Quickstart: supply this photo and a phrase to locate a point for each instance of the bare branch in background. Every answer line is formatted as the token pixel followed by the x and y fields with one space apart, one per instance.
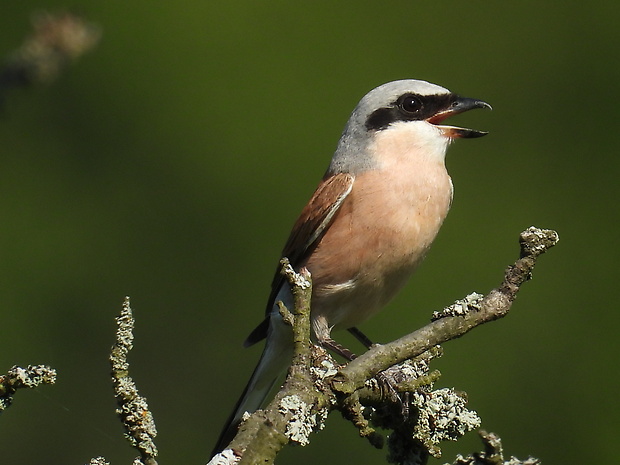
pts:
pixel 57 39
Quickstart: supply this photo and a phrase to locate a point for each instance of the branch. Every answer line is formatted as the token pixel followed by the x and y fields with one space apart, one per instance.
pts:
pixel 447 325
pixel 18 378
pixel 57 39
pixel 315 385
pixel 493 454
pixel 300 406
pixel 132 407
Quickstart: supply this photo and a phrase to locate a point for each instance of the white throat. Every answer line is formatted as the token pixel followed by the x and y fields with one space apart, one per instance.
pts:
pixel 408 144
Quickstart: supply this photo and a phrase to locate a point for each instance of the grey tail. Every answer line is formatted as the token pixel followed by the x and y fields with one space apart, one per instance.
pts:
pixel 276 357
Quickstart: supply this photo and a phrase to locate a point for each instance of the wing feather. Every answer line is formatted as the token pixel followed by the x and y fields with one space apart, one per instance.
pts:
pixel 312 223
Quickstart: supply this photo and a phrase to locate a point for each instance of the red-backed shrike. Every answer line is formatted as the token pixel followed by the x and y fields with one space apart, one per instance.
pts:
pixel 369 223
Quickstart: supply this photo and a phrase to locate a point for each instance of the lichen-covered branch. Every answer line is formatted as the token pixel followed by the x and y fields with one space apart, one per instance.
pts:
pixel 132 407
pixel 478 310
pixel 422 417
pixel 19 378
pixel 493 454
pixel 98 461
pixel 299 407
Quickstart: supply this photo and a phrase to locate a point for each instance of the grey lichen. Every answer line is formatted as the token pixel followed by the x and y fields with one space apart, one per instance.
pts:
pixel 18 378
pixel 439 416
pixel 493 454
pixel 442 416
pixel 302 420
pixel 132 408
pixel 322 368
pixel 140 424
pixel 32 376
pixel 226 457
pixel 535 241
pixel 98 461
pixel 296 279
pixel 460 307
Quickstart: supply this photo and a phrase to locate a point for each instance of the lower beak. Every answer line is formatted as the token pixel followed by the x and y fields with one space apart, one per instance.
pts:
pixel 452 132
pixel 459 105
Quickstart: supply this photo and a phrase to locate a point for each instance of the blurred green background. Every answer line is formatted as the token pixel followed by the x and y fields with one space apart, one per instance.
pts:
pixel 170 163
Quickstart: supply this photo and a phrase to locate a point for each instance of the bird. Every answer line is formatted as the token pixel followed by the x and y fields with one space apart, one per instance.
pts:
pixel 368 225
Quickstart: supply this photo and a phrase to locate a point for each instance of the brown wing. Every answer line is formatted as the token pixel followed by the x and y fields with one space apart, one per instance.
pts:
pixel 314 220
pixel 316 217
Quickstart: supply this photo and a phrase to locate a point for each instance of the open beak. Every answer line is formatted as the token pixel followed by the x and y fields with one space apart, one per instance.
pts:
pixel 458 105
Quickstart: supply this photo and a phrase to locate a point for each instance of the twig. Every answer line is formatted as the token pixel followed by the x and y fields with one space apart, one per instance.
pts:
pixel 496 304
pixel 493 454
pixel 19 378
pixel 299 407
pixel 132 407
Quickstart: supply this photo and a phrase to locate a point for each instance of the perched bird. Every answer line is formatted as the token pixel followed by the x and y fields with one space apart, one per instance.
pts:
pixel 368 225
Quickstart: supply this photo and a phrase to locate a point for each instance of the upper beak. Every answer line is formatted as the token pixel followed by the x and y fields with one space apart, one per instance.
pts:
pixel 459 105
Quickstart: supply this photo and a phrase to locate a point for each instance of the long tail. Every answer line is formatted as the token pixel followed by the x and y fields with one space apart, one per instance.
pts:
pixel 276 357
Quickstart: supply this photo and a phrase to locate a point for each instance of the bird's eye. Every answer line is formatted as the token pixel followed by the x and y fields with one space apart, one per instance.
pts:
pixel 411 104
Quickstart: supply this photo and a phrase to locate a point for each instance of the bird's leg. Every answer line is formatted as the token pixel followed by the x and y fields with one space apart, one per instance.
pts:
pixel 322 331
pixel 387 388
pixel 361 337
pixel 385 384
pixel 337 348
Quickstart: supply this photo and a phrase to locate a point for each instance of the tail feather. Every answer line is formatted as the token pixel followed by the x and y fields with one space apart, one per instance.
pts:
pixel 234 420
pixel 276 357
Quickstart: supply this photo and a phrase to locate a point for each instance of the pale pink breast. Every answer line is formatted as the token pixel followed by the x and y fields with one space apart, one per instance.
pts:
pixel 381 233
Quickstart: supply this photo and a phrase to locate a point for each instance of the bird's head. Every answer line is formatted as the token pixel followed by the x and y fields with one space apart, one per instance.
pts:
pixel 410 109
